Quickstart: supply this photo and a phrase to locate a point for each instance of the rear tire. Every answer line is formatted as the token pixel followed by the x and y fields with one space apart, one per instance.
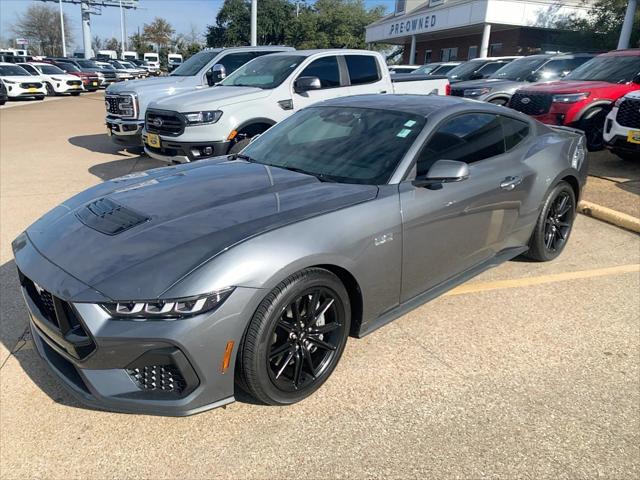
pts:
pixel 296 338
pixel 554 224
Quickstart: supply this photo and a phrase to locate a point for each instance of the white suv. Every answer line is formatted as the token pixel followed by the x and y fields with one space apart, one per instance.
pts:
pixel 20 83
pixel 622 127
pixel 56 80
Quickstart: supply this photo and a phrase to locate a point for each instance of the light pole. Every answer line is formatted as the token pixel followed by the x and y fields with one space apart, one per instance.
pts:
pixel 122 47
pixel 625 33
pixel 64 41
pixel 254 23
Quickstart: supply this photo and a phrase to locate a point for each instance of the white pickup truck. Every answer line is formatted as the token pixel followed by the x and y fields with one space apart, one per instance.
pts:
pixel 223 119
pixel 127 102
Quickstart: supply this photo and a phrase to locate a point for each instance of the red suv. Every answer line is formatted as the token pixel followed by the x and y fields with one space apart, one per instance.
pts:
pixel 584 97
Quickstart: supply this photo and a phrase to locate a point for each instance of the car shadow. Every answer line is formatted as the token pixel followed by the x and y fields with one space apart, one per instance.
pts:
pixel 125 166
pixel 101 143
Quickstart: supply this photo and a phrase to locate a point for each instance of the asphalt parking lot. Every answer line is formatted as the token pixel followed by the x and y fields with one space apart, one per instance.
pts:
pixel 528 371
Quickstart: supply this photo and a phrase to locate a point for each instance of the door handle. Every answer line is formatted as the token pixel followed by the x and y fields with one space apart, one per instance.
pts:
pixel 510 183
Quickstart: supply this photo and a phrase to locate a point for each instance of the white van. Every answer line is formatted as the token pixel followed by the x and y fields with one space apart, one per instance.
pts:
pixel 153 59
pixel 128 55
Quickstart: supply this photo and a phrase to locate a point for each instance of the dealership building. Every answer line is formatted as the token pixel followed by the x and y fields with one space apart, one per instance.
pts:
pixel 447 30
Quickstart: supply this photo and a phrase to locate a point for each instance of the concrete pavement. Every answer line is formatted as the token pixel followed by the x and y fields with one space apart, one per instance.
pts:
pixel 528 371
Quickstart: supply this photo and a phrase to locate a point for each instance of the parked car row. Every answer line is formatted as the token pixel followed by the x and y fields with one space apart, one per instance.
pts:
pixel 580 90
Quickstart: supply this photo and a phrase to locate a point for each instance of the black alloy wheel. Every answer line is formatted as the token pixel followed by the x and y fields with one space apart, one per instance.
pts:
pixel 295 339
pixel 554 224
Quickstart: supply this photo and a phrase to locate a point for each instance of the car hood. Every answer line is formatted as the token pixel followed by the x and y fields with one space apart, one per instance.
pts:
pixel 183 217
pixel 496 84
pixel 567 86
pixel 210 98
pixel 167 84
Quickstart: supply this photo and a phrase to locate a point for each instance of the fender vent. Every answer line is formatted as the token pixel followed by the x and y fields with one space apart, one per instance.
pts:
pixel 109 217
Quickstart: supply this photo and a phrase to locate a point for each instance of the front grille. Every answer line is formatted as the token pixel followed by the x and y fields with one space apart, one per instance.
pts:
pixel 112 105
pixel 30 85
pixel 109 217
pixel 629 113
pixel 61 317
pixel 531 103
pixel 457 92
pixel 74 83
pixel 164 122
pixel 164 378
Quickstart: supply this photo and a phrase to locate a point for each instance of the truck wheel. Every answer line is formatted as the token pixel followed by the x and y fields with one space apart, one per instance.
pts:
pixel 554 224
pixel 238 146
pixel 593 128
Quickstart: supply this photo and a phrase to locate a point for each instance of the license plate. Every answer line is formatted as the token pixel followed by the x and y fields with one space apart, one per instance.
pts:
pixel 32 90
pixel 633 136
pixel 153 140
pixel 95 84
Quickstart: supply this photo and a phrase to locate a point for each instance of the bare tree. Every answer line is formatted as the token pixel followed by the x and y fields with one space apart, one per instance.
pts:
pixel 40 25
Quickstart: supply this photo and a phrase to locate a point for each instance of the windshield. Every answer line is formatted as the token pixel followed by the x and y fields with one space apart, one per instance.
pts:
pixel 87 64
pixel 443 69
pixel 464 70
pixel 13 70
pixel 127 64
pixel 265 72
pixel 613 69
pixel 519 69
pixel 50 70
pixel 426 69
pixel 107 67
pixel 339 144
pixel 118 65
pixel 68 67
pixel 196 63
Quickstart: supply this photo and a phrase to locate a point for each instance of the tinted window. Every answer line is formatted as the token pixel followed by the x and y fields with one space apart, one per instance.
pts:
pixel 234 61
pixel 490 68
pixel 362 69
pixel 342 144
pixel 30 69
pixel 466 138
pixel 326 69
pixel 608 68
pixel 264 72
pixel 13 70
pixel 194 64
pixel 514 131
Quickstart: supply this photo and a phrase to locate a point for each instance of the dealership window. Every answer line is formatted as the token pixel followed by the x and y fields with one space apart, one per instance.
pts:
pixel 449 54
pixel 473 52
pixel 495 49
pixel 326 69
pixel 400 6
pixel 427 56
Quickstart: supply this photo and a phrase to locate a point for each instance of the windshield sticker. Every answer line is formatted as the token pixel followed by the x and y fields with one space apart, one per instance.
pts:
pixel 410 123
pixel 404 133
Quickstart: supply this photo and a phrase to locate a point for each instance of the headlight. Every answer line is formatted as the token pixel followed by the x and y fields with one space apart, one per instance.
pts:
pixel 203 118
pixel 570 97
pixel 127 105
pixel 476 92
pixel 167 308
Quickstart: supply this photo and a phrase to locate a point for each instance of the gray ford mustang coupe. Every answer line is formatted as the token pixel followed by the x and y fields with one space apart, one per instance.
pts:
pixel 164 291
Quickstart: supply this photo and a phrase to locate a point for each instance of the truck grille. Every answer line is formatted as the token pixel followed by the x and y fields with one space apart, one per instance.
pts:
pixel 164 122
pixel 61 317
pixel 30 85
pixel 629 113
pixel 531 103
pixel 115 105
pixel 457 92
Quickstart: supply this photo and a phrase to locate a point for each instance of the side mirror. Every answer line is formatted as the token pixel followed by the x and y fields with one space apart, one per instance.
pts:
pixel 304 84
pixel 444 171
pixel 216 74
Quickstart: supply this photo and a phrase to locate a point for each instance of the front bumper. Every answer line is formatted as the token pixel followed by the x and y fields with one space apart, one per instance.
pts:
pixel 121 365
pixel 125 132
pixel 171 151
pixel 19 92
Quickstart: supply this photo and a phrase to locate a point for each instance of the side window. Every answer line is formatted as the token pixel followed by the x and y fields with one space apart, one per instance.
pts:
pixel 490 68
pixel 514 131
pixel 362 69
pixel 467 138
pixel 326 69
pixel 233 61
pixel 30 69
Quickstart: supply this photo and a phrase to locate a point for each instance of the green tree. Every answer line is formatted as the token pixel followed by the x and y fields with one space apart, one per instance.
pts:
pixel 600 29
pixel 40 25
pixel 139 44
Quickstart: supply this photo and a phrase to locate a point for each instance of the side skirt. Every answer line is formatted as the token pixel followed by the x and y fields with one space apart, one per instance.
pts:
pixel 438 290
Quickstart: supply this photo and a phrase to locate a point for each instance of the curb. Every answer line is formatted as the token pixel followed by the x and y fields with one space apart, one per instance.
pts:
pixel 619 219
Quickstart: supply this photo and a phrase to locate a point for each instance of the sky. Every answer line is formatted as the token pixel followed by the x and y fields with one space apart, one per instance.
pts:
pixel 182 14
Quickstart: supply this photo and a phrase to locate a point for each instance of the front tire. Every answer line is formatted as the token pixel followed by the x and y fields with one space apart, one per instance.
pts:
pixel 554 224
pixel 296 338
pixel 50 90
pixel 593 129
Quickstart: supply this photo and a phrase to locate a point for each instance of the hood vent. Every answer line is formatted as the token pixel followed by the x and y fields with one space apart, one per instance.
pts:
pixel 109 217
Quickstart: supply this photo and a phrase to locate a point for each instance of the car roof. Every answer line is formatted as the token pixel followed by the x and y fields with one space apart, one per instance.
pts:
pixel 629 52
pixel 337 51
pixel 421 105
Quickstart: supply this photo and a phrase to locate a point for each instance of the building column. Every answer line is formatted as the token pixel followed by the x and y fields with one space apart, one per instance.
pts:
pixel 484 45
pixel 412 52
